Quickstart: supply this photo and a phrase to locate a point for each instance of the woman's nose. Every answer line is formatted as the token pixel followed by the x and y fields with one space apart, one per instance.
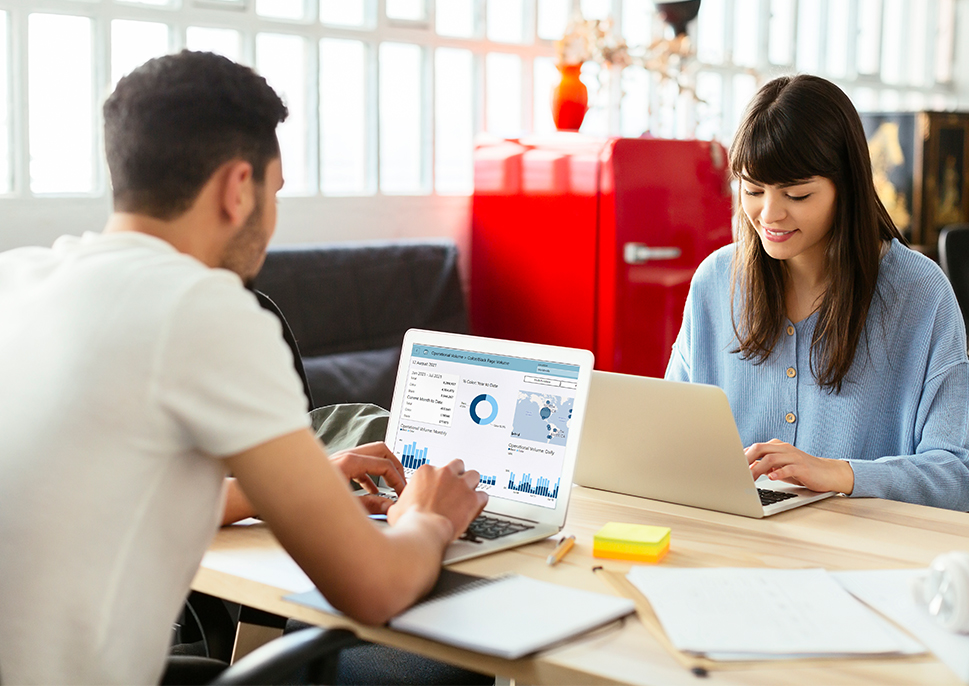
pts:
pixel 772 210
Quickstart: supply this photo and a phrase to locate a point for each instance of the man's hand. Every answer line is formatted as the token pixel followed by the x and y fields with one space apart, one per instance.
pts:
pixel 782 461
pixel 376 459
pixel 448 491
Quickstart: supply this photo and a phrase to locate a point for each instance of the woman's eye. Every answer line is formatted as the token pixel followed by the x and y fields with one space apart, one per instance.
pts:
pixel 799 197
pixel 748 191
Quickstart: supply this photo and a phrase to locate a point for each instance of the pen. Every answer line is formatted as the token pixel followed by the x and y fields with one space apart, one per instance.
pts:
pixel 564 546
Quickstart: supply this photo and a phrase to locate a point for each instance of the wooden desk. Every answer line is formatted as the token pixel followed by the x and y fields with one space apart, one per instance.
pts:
pixel 837 534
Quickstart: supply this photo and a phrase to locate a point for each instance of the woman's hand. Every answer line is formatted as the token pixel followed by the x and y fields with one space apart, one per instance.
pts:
pixel 781 461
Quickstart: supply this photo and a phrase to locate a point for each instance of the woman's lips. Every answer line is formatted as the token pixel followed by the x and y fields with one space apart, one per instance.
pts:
pixel 776 235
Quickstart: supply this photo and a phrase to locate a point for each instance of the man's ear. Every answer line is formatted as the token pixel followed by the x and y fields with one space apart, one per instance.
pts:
pixel 238 192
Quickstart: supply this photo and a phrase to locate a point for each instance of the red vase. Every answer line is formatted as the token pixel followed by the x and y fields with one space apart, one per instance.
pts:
pixel 570 99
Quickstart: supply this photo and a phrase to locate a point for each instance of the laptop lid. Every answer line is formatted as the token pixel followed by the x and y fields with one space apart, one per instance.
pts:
pixel 511 410
pixel 671 441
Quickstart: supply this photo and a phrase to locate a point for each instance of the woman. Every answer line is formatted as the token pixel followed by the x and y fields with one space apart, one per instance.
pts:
pixel 843 352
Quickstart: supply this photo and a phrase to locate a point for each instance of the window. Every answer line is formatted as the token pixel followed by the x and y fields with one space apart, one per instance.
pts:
pixel 390 105
pixel 60 102
pixel 281 59
pixel 5 176
pixel 133 43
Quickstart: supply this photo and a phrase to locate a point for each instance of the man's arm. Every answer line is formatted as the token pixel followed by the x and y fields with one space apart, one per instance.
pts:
pixel 369 573
pixel 357 464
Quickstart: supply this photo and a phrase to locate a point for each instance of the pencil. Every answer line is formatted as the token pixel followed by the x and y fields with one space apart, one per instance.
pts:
pixel 564 546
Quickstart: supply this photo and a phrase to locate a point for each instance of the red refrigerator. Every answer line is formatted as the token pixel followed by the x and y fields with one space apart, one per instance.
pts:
pixel 591 242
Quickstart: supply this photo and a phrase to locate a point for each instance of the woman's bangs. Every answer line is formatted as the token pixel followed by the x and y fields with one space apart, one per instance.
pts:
pixel 768 155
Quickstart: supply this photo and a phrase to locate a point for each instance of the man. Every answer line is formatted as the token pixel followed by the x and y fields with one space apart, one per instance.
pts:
pixel 137 372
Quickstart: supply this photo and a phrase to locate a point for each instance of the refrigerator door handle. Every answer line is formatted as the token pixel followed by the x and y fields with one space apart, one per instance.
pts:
pixel 637 253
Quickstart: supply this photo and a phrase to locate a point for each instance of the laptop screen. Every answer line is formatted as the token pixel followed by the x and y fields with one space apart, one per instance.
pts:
pixel 506 416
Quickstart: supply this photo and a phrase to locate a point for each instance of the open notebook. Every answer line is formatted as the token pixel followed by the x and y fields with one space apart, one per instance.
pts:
pixel 507 616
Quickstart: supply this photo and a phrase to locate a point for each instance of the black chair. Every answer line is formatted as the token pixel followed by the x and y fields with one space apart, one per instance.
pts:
pixel 311 652
pixel 307 656
pixel 268 304
pixel 954 259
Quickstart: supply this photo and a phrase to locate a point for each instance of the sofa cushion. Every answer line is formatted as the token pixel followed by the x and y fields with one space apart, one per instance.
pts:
pixel 350 304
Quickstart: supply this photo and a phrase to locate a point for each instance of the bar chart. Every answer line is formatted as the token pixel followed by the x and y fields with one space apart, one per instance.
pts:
pixel 413 456
pixel 541 487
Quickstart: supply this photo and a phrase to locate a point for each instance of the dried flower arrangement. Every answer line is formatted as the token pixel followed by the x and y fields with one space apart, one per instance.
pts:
pixel 594 40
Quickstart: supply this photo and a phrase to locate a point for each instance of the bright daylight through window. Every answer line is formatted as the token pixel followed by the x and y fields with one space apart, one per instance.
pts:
pixel 391 104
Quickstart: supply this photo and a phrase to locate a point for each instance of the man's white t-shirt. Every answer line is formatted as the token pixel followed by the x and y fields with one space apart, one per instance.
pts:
pixel 127 369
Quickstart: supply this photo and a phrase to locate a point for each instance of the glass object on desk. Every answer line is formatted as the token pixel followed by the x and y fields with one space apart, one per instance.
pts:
pixel 453 121
pixel 401 136
pixel 343 117
pixel 133 43
pixel 281 59
pixel 60 103
pixel 225 42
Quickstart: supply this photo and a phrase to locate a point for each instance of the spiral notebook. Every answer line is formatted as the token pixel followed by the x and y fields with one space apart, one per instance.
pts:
pixel 508 616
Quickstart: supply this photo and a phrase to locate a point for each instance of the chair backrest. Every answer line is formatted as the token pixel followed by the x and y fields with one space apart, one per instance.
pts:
pixel 268 304
pixel 954 259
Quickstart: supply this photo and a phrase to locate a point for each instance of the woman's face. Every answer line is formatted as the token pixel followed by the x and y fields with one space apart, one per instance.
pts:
pixel 792 220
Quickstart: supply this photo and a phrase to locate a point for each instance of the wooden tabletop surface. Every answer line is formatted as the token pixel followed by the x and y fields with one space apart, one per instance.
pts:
pixel 245 564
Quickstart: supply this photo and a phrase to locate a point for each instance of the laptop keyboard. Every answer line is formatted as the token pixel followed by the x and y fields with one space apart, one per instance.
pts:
pixel 484 526
pixel 490 528
pixel 768 497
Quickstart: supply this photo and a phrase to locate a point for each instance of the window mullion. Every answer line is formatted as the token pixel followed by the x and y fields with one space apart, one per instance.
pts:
pixel 373 115
pixel 19 113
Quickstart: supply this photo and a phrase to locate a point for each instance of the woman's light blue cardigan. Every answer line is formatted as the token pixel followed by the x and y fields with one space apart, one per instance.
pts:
pixel 902 416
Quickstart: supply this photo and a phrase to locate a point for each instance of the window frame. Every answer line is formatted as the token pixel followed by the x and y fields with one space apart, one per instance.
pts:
pixel 240 15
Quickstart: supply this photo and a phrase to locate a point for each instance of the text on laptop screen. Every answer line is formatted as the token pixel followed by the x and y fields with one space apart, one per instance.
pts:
pixel 507 417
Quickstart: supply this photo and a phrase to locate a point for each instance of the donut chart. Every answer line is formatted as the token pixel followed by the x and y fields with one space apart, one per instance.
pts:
pixel 476 417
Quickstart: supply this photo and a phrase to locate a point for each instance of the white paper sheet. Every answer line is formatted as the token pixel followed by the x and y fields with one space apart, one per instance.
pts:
pixel 733 613
pixel 890 592
pixel 271 567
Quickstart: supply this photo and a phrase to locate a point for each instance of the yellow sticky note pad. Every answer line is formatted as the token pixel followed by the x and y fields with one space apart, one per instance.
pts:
pixel 637 542
pixel 611 553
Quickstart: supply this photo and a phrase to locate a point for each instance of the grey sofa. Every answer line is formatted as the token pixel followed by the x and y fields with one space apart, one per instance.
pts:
pixel 348 306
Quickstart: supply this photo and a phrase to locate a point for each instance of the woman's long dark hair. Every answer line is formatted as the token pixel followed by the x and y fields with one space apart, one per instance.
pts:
pixel 795 128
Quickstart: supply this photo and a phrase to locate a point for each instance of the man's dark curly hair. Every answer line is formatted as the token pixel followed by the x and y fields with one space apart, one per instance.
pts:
pixel 176 119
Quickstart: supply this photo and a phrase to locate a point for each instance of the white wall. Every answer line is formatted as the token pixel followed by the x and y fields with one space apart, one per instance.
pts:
pixel 301 220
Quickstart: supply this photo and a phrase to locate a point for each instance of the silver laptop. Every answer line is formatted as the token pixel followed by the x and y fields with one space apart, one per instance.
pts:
pixel 676 442
pixel 512 411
